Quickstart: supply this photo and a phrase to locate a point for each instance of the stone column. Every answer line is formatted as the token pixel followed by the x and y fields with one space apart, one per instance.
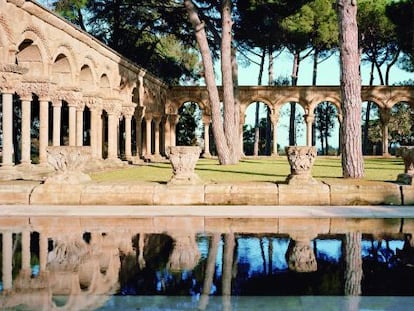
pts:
pixel 128 151
pixel 206 122
pixel 139 114
pixel 57 110
pixel 99 133
pixel 309 118
pixel 72 124
pixel 43 130
pixel 340 119
pixel 26 112
pixel 173 118
pixel 26 251
pixel 95 129
pixel 7 250
pixel 112 135
pixel 157 121
pixel 7 129
pixel 79 124
pixel 385 115
pixel 275 119
pixel 148 119
pixel 43 251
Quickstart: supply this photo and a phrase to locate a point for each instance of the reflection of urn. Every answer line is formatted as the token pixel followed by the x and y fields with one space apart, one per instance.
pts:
pixel 183 160
pixel 407 154
pixel 185 254
pixel 69 163
pixel 301 159
pixel 300 256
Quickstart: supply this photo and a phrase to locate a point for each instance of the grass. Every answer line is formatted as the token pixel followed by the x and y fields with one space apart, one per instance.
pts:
pixel 254 169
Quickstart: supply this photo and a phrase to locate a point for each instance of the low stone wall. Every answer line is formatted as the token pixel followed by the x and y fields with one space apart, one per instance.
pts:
pixel 330 192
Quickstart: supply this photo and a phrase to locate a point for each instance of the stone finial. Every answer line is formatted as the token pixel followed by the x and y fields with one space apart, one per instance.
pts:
pixel 407 154
pixel 301 159
pixel 183 160
pixel 69 163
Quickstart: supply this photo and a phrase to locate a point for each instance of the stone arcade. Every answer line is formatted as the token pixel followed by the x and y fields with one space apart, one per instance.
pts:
pixel 49 65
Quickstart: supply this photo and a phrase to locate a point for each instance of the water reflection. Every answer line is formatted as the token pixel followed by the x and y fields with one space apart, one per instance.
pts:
pixel 90 263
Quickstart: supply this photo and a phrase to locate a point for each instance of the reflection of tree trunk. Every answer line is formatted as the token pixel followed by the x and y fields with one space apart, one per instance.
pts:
pixel 263 255
pixel 256 119
pixel 353 264
pixel 209 272
pixel 228 252
pixel 270 253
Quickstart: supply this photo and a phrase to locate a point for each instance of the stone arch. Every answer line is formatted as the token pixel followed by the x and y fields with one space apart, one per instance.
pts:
pixel 400 98
pixel 6 40
pixel 33 52
pixel 62 73
pixel 63 66
pixel 371 118
pixel 105 86
pixel 86 78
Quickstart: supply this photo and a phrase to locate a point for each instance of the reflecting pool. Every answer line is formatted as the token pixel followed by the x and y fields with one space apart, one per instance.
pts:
pixel 202 263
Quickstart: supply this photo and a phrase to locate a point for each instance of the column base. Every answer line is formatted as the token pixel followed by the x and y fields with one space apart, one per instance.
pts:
pixel 9 172
pixel 206 155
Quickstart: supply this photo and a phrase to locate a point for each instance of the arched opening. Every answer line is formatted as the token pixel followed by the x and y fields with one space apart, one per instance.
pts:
pixel 257 130
pixel 401 126
pixel 371 129
pixel 29 56
pixel 287 130
pixel 326 129
pixel 189 129
pixel 61 73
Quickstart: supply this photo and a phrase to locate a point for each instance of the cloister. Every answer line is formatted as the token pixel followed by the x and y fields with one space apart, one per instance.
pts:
pixel 74 83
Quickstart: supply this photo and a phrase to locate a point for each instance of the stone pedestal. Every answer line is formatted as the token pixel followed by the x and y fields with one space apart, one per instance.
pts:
pixel 183 160
pixel 301 159
pixel 68 163
pixel 407 154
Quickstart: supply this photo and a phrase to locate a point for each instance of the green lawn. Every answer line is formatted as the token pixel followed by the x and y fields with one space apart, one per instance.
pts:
pixel 252 169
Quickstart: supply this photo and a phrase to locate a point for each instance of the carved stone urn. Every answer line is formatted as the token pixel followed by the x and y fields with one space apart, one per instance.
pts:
pixel 183 160
pixel 68 163
pixel 185 254
pixel 407 154
pixel 301 159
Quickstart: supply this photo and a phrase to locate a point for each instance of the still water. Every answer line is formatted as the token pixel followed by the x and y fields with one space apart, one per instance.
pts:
pixel 194 263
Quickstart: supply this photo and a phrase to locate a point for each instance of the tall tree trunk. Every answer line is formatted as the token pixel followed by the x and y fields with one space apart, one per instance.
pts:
pixel 238 141
pixel 387 71
pixel 292 121
pixel 352 159
pixel 269 121
pixel 256 115
pixel 223 134
pixel 315 66
pixel 353 264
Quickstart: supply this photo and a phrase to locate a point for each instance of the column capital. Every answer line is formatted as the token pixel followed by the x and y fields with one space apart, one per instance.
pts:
pixel 43 89
pixel 112 106
pixel 10 77
pixel 139 112
pixel 173 118
pixel 309 118
pixel 385 115
pixel 206 119
pixel 128 109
